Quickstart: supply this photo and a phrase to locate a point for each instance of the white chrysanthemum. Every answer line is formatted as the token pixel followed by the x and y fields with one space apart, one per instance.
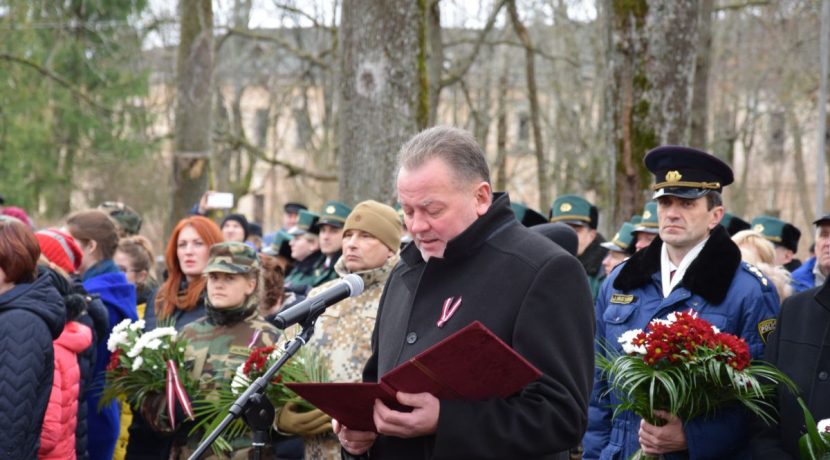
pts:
pixel 626 340
pixel 660 321
pixel 239 382
pixel 672 317
pixel 137 326
pixel 824 426
pixel 153 344
pixel 741 380
pixel 137 363
pixel 715 329
pixel 116 338
pixel 123 325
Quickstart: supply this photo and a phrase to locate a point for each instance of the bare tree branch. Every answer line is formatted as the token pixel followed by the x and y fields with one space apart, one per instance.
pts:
pixel 317 60
pixel 80 93
pixel 458 70
pixel 237 142
pixel 508 42
pixel 741 5
pixel 295 10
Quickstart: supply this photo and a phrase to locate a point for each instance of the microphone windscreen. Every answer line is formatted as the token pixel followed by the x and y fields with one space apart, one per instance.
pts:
pixel 355 283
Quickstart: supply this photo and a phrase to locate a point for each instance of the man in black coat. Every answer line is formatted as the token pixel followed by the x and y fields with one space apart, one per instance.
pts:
pixel 800 347
pixel 472 260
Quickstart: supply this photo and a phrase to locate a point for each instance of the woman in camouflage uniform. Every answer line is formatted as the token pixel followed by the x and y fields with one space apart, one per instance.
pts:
pixel 222 340
pixel 343 333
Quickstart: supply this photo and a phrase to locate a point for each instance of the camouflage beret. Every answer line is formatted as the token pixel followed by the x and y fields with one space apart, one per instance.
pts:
pixel 232 257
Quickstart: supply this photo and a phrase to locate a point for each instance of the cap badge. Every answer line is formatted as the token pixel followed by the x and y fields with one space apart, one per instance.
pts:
pixel 758 228
pixel 330 210
pixel 565 207
pixel 673 176
pixel 647 215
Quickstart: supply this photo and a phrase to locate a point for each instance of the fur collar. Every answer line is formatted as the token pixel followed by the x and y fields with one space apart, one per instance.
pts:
pixel 709 275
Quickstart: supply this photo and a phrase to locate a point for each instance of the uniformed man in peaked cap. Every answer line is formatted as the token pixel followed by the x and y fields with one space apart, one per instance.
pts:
pixel 583 217
pixel 620 247
pixel 784 236
pixel 331 239
pixel 692 264
pixel 646 230
pixel 305 250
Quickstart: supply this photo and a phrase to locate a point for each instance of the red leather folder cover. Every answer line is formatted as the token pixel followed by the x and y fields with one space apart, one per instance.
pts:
pixel 472 364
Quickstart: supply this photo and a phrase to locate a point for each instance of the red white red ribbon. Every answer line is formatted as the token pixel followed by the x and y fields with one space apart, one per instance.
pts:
pixel 447 310
pixel 175 392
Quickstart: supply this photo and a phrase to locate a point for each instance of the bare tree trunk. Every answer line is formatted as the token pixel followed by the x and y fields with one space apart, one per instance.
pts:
pixel 533 96
pixel 800 171
pixel 435 58
pixel 379 68
pixel 700 92
pixel 194 68
pixel 501 129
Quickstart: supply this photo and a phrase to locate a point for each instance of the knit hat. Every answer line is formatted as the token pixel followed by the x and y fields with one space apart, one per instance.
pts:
pixel 377 219
pixel 60 249
pixel 17 213
pixel 238 218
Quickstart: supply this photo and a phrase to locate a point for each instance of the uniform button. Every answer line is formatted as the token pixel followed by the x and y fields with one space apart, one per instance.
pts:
pixel 411 338
pixel 822 375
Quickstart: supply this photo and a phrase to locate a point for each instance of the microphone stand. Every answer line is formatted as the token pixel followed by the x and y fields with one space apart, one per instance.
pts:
pixel 258 410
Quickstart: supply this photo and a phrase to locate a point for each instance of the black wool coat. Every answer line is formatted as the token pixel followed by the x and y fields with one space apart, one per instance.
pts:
pixel 800 347
pixel 529 292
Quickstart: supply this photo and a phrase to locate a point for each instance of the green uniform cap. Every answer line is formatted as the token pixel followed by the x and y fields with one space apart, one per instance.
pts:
pixel 527 216
pixel 649 223
pixel 733 224
pixel 306 222
pixel 635 219
pixel 232 257
pixel 280 246
pixel 334 214
pixel 622 240
pixel 573 209
pixel 777 231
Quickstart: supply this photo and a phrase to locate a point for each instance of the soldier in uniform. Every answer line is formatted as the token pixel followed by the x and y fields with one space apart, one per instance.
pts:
pixel 331 239
pixel 222 340
pixel 527 216
pixel 343 333
pixel 305 250
pixel 733 224
pixel 693 264
pixel 784 236
pixel 646 230
pixel 619 248
pixel 583 216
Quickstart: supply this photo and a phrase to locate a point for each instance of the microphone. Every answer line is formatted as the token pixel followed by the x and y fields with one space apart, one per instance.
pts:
pixel 349 286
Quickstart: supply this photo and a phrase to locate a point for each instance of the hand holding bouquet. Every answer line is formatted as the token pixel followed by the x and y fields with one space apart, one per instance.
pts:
pixel 685 366
pixel 815 444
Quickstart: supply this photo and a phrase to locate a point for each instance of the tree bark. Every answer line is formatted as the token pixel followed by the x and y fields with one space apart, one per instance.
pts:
pixel 194 69
pixel 532 94
pixel 379 69
pixel 501 129
pixel 700 92
pixel 800 170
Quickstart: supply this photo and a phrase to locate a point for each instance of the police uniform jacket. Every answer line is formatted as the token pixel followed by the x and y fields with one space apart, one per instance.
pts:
pixel 733 296
pixel 530 293
pixel 800 347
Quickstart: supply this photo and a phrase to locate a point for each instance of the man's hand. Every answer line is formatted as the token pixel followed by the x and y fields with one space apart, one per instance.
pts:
pixel 658 440
pixel 423 419
pixel 355 442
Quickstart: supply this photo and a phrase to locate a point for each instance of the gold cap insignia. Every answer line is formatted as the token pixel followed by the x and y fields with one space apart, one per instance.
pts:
pixel 565 207
pixel 647 215
pixel 673 176
pixel 330 210
pixel 758 228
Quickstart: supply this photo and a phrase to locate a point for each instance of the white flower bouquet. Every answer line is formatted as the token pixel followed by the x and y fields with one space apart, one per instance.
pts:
pixel 815 443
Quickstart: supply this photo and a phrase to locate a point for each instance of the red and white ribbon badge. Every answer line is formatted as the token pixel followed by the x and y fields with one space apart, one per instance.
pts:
pixel 175 392
pixel 448 309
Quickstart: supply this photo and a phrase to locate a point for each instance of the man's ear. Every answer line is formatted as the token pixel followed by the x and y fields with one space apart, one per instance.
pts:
pixel 717 216
pixel 484 197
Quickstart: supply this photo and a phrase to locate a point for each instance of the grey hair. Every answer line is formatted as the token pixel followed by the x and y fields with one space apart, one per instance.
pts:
pixel 457 147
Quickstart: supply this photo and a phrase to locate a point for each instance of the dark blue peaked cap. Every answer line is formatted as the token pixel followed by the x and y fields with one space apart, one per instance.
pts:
pixel 686 172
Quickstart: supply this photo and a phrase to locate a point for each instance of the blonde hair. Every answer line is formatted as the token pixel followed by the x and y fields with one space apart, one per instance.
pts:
pixel 755 249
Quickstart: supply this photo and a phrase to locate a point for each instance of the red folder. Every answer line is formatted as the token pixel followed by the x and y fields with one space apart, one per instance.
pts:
pixel 472 364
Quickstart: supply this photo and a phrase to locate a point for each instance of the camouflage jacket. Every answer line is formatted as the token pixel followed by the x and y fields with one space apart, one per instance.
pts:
pixel 343 338
pixel 213 354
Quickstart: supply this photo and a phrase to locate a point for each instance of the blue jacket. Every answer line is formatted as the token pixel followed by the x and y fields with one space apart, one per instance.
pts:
pixel 31 317
pixel 733 296
pixel 803 277
pixel 118 295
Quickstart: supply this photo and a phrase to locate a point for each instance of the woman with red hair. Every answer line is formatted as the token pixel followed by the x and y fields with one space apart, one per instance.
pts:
pixel 31 317
pixel 180 299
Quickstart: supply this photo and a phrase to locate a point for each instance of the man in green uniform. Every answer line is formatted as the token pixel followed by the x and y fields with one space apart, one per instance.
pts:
pixel 583 217
pixel 331 239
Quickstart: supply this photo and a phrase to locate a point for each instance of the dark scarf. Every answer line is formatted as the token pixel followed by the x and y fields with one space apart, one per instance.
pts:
pixel 230 316
pixel 592 257
pixel 708 276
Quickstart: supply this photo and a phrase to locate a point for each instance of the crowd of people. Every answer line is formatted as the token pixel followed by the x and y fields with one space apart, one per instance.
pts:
pixel 452 251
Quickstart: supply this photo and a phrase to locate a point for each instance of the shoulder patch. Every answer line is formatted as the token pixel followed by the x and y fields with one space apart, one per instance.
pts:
pixel 757 273
pixel 622 298
pixel 766 327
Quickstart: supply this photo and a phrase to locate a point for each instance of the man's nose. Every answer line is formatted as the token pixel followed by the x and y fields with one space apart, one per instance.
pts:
pixel 417 224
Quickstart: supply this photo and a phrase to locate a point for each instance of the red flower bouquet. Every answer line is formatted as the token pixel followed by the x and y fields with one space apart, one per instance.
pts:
pixel 687 367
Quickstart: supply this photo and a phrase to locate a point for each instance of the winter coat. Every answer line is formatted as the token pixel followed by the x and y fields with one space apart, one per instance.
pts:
pixel 31 317
pixel 534 296
pixel 732 295
pixel 591 260
pixel 800 347
pixel 97 319
pixel 803 276
pixel 306 274
pixel 118 296
pixel 57 438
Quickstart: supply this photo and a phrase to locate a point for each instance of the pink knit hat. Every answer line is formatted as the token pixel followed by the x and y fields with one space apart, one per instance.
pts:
pixel 18 214
pixel 60 249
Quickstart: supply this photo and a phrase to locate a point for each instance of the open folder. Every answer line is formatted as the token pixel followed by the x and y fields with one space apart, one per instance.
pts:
pixel 471 364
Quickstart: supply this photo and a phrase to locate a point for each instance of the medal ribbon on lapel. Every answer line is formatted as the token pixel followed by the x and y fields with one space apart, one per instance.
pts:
pixel 448 310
